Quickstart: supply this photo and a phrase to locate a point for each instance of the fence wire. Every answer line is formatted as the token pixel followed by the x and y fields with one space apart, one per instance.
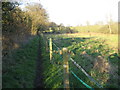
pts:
pixel 81 80
pixel 78 66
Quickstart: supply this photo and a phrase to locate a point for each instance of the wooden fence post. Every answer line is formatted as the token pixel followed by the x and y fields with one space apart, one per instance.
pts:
pixel 66 68
pixel 50 44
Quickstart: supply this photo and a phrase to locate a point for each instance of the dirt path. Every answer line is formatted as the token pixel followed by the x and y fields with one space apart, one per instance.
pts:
pixel 38 83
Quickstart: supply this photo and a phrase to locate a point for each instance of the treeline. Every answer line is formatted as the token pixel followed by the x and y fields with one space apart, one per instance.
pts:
pixel 59 29
pixel 18 26
pixel 98 28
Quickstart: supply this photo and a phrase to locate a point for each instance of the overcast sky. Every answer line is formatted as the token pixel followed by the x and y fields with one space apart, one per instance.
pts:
pixel 77 12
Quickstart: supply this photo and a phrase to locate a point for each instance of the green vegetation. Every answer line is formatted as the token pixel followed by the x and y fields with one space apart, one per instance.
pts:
pixel 98 28
pixel 88 52
pixel 110 39
pixel 94 47
pixel 20 70
pixel 19 26
pixel 53 28
pixel 23 68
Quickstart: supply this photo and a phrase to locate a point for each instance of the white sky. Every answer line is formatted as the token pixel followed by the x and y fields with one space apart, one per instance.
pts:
pixel 77 12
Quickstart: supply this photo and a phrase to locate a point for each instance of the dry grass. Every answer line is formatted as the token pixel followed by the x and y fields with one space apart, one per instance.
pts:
pixel 101 65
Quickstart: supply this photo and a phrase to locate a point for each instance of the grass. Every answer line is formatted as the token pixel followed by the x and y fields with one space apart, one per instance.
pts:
pixel 20 72
pixel 21 69
pixel 52 72
pixel 110 39
pixel 96 48
pixel 97 28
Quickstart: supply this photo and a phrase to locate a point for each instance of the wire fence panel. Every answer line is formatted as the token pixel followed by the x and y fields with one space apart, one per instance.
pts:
pixel 80 80
pixel 54 54
pixel 77 65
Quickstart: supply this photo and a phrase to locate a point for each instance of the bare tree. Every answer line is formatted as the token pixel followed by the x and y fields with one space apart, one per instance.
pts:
pixel 109 22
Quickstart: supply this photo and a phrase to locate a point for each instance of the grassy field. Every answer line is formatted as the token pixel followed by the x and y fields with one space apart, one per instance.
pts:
pixel 94 53
pixel 99 59
pixel 97 28
pixel 110 39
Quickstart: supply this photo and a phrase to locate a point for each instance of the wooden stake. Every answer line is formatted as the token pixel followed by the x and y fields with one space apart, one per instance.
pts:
pixel 110 28
pixel 50 44
pixel 66 68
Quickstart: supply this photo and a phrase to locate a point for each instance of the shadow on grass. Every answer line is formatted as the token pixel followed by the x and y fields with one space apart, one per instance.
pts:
pixel 65 42
pixel 114 74
pixel 94 48
pixel 95 62
pixel 38 82
pixel 19 67
pixel 53 75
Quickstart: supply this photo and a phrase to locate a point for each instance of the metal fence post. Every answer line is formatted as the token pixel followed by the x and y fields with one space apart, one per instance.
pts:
pixel 66 68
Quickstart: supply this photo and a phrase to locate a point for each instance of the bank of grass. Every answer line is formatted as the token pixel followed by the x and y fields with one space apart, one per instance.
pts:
pixel 19 69
pixel 53 73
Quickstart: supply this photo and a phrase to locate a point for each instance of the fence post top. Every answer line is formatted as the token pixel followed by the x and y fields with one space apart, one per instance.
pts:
pixel 65 49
